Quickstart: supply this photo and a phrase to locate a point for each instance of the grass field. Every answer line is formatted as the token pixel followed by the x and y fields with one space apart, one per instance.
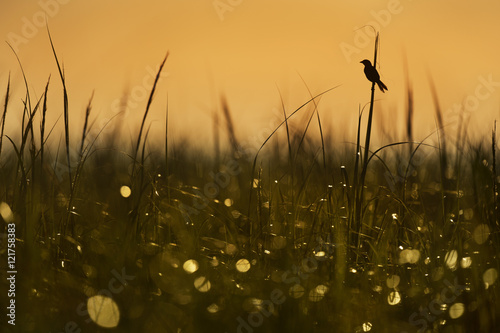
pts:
pixel 296 235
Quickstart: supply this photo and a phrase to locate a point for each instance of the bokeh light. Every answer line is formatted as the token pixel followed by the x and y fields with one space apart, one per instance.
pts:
pixel 466 262
pixel 296 291
pixel 214 262
pixel 490 276
pixel 451 259
pixel 320 254
pixel 202 284
pixel 231 249
pixel 278 242
pixel 409 256
pixel 190 266
pixel 481 233
pixel 366 326
pixel 317 294
pixel 392 281
pixel 6 212
pixel 103 311
pixel 213 308
pixel 243 265
pixel 394 298
pixel 456 310
pixel 125 191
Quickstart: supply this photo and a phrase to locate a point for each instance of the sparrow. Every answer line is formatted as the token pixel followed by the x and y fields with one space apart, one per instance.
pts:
pixel 372 75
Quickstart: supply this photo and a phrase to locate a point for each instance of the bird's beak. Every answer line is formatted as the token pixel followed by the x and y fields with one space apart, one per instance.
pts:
pixel 360 62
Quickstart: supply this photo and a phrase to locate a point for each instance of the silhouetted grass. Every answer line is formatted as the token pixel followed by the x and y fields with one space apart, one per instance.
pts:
pixel 339 233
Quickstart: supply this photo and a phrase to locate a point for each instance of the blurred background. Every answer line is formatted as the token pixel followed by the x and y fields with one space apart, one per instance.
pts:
pixel 251 52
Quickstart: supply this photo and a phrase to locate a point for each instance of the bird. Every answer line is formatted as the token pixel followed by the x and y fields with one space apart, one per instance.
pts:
pixel 372 75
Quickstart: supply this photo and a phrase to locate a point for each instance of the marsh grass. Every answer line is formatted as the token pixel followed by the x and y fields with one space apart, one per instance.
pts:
pixel 341 219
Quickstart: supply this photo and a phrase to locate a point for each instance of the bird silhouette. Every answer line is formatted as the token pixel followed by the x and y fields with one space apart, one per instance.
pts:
pixel 372 75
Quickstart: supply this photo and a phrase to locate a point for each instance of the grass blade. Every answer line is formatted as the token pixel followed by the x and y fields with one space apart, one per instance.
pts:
pixel 148 105
pixel 4 114
pixel 65 108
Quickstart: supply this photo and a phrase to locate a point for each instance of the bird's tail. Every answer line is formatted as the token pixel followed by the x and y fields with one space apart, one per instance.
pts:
pixel 382 86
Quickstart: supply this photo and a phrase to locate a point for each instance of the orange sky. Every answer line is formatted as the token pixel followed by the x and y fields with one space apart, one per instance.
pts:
pixel 251 50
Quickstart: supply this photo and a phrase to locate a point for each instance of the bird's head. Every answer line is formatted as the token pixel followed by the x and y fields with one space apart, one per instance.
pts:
pixel 366 62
